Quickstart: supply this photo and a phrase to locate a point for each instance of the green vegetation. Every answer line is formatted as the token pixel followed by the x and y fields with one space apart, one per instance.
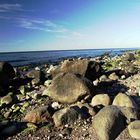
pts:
pixel 111 64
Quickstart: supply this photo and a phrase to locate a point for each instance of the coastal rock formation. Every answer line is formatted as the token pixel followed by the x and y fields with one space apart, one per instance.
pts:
pixel 86 68
pixel 68 88
pixel 72 105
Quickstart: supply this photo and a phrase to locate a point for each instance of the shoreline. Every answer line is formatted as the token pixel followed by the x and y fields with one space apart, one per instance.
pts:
pixel 137 48
pixel 68 100
pixel 29 58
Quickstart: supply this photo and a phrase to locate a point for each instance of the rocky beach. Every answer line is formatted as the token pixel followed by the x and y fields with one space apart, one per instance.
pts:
pixel 75 99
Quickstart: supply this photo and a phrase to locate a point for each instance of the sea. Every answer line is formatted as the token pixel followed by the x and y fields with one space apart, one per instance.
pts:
pixel 40 57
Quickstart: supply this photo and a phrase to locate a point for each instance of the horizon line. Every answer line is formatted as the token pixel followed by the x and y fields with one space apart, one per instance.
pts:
pixel 67 50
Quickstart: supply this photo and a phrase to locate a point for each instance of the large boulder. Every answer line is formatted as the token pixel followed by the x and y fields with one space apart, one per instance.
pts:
pixel 86 68
pixel 6 73
pixel 123 99
pixel 68 88
pixel 134 129
pixel 108 123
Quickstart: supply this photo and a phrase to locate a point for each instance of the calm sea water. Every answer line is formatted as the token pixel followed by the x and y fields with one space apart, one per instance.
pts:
pixel 24 58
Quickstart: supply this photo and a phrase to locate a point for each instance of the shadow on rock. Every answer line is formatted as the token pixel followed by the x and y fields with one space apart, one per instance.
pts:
pixel 10 128
pixel 111 89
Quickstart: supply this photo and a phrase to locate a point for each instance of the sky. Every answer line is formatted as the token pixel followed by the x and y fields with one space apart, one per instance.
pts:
pixel 34 25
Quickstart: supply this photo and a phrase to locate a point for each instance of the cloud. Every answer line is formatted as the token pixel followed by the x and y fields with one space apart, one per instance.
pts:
pixel 41 24
pixel 36 24
pixel 10 7
pixel 5 18
pixel 45 26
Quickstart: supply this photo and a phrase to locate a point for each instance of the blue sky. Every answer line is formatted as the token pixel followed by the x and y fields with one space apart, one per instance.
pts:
pixel 27 25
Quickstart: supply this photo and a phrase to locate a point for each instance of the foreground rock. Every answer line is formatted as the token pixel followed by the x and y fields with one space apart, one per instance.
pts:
pixel 68 88
pixel 124 100
pixel 6 100
pixel 86 68
pixel 38 115
pixel 8 128
pixel 134 129
pixel 6 74
pixel 67 116
pixel 108 123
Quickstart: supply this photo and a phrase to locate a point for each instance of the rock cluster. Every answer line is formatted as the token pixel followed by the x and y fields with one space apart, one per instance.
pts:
pixel 101 93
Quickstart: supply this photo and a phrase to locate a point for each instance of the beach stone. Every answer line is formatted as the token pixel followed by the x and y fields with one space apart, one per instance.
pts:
pixel 6 68
pixel 55 105
pixel 129 56
pixel 52 69
pixel 6 100
pixel 123 99
pixel 38 115
pixel 100 99
pixel 47 83
pixel 96 82
pixel 24 89
pixel 103 78
pixel 130 114
pixel 37 76
pixel 67 115
pixel 132 69
pixel 7 114
pixel 31 126
pixel 6 74
pixel 137 63
pixel 134 129
pixel 68 88
pixel 20 97
pixel 17 108
pixel 108 123
pixel 113 76
pixel 86 68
